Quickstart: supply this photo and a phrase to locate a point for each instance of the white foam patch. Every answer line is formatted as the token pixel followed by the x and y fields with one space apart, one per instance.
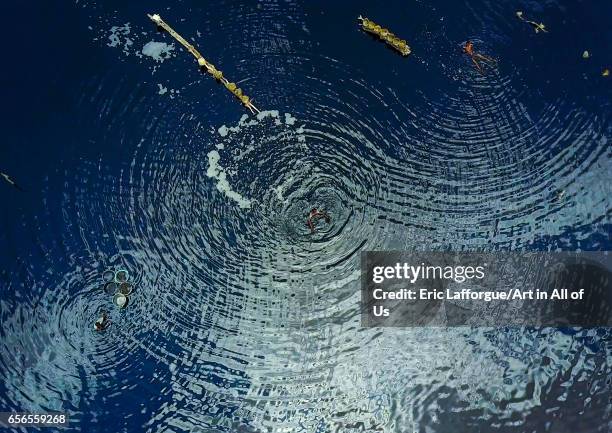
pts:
pixel 301 137
pixel 216 171
pixel 158 51
pixel 119 33
pixel 162 89
pixel 247 144
pixel 289 119
pixel 267 113
pixel 225 130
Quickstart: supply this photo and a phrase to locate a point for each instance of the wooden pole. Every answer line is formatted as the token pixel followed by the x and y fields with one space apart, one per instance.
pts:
pixel 203 63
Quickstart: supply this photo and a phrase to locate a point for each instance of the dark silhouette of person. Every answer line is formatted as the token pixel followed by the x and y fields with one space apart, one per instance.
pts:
pixel 103 322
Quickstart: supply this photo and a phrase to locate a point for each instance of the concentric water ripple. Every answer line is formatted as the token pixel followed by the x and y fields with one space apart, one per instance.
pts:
pixel 240 318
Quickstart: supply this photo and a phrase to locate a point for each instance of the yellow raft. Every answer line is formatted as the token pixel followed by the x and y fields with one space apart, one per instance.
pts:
pixel 384 34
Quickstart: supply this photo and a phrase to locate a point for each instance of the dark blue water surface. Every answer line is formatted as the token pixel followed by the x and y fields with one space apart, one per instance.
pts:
pixel 241 321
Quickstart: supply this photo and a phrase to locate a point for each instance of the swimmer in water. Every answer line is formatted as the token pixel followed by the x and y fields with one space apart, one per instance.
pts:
pixel 468 49
pixel 313 216
pixel 103 322
pixel 538 27
pixel 10 181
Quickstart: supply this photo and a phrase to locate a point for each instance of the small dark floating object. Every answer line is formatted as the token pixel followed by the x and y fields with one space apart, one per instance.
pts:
pixel 10 181
pixel 110 288
pixel 125 288
pixel 121 276
pixel 108 276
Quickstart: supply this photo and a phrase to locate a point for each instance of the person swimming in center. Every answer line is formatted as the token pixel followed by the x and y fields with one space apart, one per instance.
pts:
pixel 468 49
pixel 314 215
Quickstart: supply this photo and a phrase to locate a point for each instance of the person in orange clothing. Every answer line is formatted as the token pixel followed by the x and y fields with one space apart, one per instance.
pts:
pixel 477 58
pixel 313 216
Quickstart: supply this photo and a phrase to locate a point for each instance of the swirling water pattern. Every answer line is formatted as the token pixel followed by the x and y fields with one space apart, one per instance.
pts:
pixel 243 321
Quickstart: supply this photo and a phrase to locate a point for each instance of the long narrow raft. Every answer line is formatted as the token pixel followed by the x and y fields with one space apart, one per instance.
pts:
pixel 384 34
pixel 210 68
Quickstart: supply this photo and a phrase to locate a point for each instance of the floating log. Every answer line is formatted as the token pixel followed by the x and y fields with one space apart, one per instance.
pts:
pixel 203 63
pixel 385 35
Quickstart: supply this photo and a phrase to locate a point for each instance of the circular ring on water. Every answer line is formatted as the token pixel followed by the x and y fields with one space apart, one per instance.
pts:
pixel 120 300
pixel 110 288
pixel 108 276
pixel 125 288
pixel 121 276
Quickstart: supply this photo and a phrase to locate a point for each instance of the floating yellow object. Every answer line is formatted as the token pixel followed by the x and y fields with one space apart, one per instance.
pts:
pixel 384 34
pixel 538 27
pixel 203 63
pixel 605 73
